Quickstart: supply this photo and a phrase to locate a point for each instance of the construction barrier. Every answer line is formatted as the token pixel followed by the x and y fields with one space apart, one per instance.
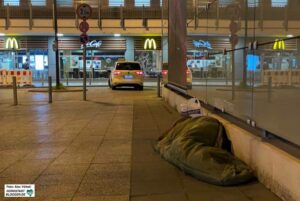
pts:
pixel 281 77
pixel 23 77
pixel 2 77
pixel 26 77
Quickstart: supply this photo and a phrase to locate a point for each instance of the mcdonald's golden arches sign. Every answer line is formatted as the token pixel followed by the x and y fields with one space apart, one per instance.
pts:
pixel 11 43
pixel 279 45
pixel 150 44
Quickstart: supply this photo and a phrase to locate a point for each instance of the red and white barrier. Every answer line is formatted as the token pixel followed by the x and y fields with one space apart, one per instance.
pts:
pixel 23 77
pixel 2 77
pixel 26 77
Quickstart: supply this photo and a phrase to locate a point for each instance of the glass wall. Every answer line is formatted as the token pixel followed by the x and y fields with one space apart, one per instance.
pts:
pixel 256 79
pixel 275 89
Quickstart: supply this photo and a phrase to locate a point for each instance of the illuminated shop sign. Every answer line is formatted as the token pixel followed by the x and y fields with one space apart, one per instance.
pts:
pixel 150 44
pixel 11 43
pixel 202 43
pixel 93 44
pixel 201 54
pixel 279 45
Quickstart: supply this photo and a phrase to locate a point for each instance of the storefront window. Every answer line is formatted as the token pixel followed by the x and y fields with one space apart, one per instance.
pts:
pixel 139 3
pixel 97 62
pixel 38 59
pixel 38 2
pixel 34 60
pixel 11 2
pixel 150 61
pixel 116 3
pixel 224 3
pixel 204 65
pixel 10 60
pixel 253 3
pixel 65 3
pixel 276 60
pixel 279 3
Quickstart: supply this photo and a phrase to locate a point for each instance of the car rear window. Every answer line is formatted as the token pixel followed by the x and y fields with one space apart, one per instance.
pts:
pixel 128 66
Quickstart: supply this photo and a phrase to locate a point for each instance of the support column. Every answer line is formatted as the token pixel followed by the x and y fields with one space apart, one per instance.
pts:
pixel 51 58
pixel 129 54
pixel 177 43
pixel 165 49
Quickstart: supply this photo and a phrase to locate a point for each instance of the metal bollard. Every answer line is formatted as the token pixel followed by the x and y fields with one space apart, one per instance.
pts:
pixel 158 85
pixel 67 80
pixel 269 88
pixel 50 88
pixel 15 92
pixel 90 78
pixel 84 72
pixel 43 79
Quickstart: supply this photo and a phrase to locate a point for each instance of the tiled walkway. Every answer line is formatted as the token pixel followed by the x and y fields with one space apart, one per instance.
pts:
pixel 98 150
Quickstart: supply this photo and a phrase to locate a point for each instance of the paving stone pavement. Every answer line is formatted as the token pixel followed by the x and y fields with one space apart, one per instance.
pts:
pixel 98 150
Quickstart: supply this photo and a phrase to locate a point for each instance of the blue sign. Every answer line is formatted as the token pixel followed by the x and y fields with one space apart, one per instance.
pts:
pixel 252 62
pixel 202 43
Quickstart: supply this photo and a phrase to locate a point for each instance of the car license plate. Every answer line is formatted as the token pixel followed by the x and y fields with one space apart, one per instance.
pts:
pixel 128 77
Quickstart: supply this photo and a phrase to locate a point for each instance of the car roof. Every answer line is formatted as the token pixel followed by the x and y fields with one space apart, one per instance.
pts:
pixel 134 62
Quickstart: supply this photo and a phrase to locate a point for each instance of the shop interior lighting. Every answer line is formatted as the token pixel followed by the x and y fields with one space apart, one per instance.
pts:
pixel 2 34
pixel 60 34
pixel 290 36
pixel 117 35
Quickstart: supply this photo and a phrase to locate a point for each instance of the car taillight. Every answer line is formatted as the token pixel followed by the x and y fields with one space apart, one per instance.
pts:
pixel 139 72
pixel 164 72
pixel 116 72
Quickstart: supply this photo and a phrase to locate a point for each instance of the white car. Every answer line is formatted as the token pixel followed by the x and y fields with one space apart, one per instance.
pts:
pixel 127 73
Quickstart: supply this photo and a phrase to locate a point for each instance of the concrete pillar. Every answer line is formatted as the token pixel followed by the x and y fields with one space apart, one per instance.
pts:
pixel 158 59
pixel 51 58
pixel 239 55
pixel 129 54
pixel 177 33
pixel 165 49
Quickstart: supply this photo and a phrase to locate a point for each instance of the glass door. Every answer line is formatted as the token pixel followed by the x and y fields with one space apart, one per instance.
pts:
pixel 38 63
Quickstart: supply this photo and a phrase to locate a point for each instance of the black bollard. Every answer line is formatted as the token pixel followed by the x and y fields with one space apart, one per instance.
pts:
pixel 50 88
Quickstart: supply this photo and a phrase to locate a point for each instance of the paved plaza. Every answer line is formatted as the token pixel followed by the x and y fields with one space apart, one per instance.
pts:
pixel 98 150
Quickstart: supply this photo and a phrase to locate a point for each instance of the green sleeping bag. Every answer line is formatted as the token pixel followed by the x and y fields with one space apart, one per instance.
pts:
pixel 200 147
